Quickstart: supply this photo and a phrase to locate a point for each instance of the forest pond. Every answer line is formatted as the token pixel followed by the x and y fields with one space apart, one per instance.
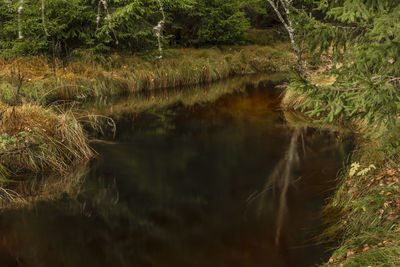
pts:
pixel 187 181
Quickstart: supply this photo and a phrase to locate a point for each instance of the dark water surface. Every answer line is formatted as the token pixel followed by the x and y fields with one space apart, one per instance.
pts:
pixel 184 186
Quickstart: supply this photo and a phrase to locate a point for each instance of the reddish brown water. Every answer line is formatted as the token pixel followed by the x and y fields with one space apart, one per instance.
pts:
pixel 186 186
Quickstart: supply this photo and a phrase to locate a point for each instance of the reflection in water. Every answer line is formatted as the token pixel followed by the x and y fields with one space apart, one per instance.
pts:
pixel 152 101
pixel 291 158
pixel 171 190
pixel 280 180
pixel 26 192
pixel 8 196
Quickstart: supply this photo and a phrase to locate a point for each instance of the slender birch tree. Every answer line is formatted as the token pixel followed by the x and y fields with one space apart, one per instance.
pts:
pixel 159 28
pixel 283 9
pixel 44 18
pixel 20 8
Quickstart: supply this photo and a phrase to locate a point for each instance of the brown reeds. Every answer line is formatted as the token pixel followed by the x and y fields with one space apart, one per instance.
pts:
pixel 291 99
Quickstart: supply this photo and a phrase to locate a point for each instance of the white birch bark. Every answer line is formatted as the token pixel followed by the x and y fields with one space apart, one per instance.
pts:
pixel 287 23
pixel 159 28
pixel 20 8
pixel 44 18
pixel 98 15
pixel 107 17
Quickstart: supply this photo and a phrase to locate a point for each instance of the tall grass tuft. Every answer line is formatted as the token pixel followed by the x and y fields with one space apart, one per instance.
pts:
pixel 37 140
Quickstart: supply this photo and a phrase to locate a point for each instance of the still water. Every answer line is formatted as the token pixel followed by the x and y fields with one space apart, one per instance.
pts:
pixel 184 185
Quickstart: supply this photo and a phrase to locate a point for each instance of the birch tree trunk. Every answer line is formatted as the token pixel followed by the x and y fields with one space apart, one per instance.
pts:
pixel 20 8
pixel 287 23
pixel 159 28
pixel 44 19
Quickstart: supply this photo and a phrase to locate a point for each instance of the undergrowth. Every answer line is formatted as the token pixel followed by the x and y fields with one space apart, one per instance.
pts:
pixel 368 205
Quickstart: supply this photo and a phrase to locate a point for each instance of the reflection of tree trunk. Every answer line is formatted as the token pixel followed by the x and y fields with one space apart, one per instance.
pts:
pixel 291 159
pixel 280 180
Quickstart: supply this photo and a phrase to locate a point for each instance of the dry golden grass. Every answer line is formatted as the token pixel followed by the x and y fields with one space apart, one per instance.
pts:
pixel 34 67
pixel 37 140
pixel 123 74
pixel 25 118
pixel 291 99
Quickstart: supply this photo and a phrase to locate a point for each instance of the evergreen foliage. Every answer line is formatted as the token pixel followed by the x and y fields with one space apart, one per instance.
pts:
pixel 208 22
pixel 124 25
pixel 362 37
pixel 257 12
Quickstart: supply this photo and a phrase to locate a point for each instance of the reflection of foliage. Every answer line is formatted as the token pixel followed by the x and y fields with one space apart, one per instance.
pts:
pixel 158 101
pixel 23 194
pixel 164 119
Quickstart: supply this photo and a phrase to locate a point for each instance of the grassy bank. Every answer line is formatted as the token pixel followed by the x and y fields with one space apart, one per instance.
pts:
pixel 85 76
pixel 363 216
pixel 36 140
pixel 367 206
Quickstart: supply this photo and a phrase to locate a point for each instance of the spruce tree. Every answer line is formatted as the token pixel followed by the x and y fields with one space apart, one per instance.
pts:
pixel 362 38
pixel 40 27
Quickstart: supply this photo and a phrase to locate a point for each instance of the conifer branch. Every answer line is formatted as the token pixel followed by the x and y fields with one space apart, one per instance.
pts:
pixel 98 15
pixel 107 18
pixel 8 3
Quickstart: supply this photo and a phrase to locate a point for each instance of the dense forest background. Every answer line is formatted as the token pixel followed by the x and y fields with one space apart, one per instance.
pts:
pixel 60 26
